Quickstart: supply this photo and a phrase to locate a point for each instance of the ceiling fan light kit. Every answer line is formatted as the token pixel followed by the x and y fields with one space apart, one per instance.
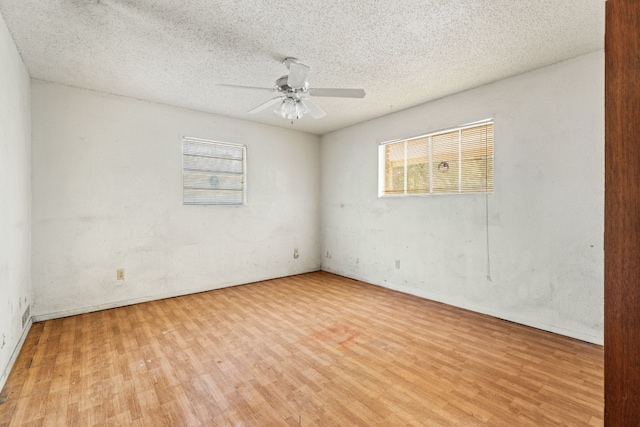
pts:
pixel 294 90
pixel 291 109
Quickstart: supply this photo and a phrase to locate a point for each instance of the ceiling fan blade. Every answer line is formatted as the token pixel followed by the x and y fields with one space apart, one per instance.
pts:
pixel 315 111
pixel 263 89
pixel 269 103
pixel 337 93
pixel 297 75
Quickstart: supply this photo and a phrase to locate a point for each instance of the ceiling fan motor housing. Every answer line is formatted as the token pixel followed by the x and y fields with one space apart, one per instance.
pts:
pixel 282 85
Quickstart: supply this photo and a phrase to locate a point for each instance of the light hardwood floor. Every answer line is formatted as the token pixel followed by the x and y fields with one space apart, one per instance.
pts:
pixel 314 349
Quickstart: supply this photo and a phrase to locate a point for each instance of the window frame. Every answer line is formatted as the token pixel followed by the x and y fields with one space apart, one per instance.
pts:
pixel 406 192
pixel 243 174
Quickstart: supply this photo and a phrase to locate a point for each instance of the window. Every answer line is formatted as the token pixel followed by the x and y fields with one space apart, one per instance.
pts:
pixel 213 173
pixel 456 160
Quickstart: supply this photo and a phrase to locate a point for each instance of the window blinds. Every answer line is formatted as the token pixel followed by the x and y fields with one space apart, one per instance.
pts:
pixel 213 173
pixel 457 160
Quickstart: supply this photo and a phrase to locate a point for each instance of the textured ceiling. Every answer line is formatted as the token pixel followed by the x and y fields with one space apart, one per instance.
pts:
pixel 402 52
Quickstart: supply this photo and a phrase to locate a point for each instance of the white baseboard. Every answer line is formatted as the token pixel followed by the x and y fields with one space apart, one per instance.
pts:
pixel 16 352
pixel 579 335
pixel 123 303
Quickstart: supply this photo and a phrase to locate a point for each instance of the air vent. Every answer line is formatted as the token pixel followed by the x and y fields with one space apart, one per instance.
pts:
pixel 26 315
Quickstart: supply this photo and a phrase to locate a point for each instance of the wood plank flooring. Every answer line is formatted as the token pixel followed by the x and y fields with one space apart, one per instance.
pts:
pixel 309 350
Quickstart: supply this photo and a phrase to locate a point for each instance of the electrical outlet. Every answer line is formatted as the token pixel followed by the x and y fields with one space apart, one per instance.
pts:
pixel 120 274
pixel 398 264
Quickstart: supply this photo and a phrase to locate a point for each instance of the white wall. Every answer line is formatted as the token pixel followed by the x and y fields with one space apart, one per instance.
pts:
pixel 537 257
pixel 107 194
pixel 15 200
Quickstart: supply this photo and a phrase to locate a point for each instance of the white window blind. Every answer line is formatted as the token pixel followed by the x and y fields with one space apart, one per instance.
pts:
pixel 213 173
pixel 458 160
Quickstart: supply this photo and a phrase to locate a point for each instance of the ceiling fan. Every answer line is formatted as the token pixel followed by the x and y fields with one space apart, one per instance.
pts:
pixel 293 102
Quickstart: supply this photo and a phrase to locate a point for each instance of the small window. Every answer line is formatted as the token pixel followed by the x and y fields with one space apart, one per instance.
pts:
pixel 213 173
pixel 456 160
